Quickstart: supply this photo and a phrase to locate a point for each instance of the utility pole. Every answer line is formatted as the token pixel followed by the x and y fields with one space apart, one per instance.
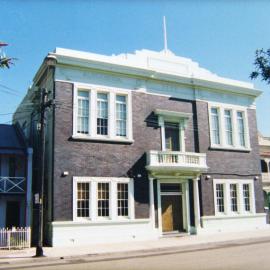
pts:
pixel 44 104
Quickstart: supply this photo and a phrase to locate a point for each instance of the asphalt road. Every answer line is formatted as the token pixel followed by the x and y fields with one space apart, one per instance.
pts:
pixel 250 256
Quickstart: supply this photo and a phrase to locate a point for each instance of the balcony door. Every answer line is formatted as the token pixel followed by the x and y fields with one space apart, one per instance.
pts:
pixel 172 136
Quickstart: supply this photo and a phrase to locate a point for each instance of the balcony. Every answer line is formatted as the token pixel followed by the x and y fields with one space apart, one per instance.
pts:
pixel 12 185
pixel 176 162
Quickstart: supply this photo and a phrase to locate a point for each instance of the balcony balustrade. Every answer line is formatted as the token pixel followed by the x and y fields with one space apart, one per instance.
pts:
pixel 12 184
pixel 175 160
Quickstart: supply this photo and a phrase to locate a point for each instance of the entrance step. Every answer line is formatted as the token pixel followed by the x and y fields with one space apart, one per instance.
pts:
pixel 174 234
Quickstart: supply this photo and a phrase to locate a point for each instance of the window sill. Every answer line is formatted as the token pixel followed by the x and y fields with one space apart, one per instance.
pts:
pixel 227 148
pixel 230 216
pixel 102 139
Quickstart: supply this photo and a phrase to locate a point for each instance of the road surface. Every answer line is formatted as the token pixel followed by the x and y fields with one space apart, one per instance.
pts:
pixel 249 256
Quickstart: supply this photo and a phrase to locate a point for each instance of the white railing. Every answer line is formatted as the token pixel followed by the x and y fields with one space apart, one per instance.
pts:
pixel 16 238
pixel 12 184
pixel 266 177
pixel 175 159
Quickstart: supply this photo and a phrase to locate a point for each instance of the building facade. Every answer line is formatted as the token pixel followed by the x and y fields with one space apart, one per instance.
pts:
pixel 141 145
pixel 15 178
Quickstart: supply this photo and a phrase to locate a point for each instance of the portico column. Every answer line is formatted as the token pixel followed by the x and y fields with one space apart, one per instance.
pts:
pixel 197 215
pixel 29 187
pixel 151 202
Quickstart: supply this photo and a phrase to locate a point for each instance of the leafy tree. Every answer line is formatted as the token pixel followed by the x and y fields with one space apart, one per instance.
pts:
pixel 262 65
pixel 5 62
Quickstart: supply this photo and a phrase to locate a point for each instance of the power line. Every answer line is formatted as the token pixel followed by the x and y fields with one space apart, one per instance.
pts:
pixel 9 90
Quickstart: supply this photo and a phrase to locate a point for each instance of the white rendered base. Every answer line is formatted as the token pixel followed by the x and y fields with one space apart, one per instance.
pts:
pixel 71 233
pixel 215 224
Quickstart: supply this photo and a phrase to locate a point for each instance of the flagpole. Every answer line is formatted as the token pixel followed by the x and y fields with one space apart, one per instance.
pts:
pixel 165 35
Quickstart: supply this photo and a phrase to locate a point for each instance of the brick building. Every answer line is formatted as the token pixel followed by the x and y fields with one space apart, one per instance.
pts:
pixel 141 145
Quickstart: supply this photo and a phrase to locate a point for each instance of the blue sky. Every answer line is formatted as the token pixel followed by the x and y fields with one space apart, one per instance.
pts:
pixel 221 35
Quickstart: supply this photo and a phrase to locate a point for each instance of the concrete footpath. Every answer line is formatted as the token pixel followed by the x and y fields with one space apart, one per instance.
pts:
pixel 164 245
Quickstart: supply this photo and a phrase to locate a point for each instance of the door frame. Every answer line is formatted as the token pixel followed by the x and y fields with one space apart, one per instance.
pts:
pixel 185 202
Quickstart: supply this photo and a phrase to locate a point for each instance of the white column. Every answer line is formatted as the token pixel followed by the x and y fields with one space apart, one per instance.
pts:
pixel 221 127
pixel 196 201
pixel 93 200
pixel 227 198
pixel 131 199
pixel 111 107
pixel 93 113
pixel 240 198
pixel 159 208
pixel 113 200
pixel 151 202
pixel 28 220
pixel 187 206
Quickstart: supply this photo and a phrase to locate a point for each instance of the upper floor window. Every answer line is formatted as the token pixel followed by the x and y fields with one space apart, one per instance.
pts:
pixel 228 127
pixel 102 114
pixel 173 125
pixel 121 116
pixel 241 128
pixel 83 112
pixel 215 126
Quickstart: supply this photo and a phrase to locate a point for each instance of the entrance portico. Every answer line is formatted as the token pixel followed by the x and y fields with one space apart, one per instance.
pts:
pixel 174 190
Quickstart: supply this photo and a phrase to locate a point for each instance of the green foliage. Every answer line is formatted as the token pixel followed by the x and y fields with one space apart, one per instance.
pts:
pixel 262 65
pixel 5 62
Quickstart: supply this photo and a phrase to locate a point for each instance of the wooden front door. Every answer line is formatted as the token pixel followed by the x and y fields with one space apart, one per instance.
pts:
pixel 171 206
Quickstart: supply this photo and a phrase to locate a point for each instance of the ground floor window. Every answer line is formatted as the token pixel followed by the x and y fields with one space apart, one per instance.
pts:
pixel 83 199
pixel 220 197
pixel 234 197
pixel 103 200
pixel 97 198
pixel 246 196
pixel 122 199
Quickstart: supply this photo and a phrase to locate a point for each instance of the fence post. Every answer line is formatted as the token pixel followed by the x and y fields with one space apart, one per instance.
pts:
pixel 8 239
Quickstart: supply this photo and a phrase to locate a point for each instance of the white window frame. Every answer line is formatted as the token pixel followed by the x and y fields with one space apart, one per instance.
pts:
pixel 112 92
pixel 240 200
pixel 180 118
pixel 219 124
pixel 222 129
pixel 224 199
pixel 118 102
pixel 93 210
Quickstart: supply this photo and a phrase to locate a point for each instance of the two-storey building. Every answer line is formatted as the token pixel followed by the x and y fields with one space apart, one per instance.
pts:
pixel 141 145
